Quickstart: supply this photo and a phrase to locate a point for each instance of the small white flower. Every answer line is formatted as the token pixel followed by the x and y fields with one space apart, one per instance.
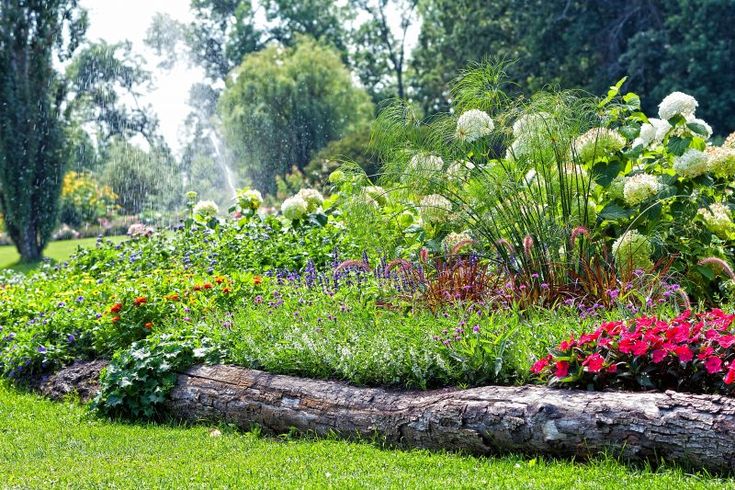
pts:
pixel 639 188
pixel 249 199
pixel 662 128
pixel 426 164
pixel 692 163
pixel 473 125
pixel 632 251
pixel 376 193
pixel 597 142
pixel 718 219
pixel 458 170
pixel 677 103
pixel 722 161
pixel 434 208
pixel 313 198
pixel 206 209
pixel 530 124
pixel 646 136
pixel 295 207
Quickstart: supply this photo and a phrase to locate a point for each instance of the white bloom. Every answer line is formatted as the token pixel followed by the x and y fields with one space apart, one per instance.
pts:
pixel 473 125
pixel 597 142
pixel 662 128
pixel 530 124
pixel 313 198
pixel 692 163
pixel 701 122
pixel 206 209
pixel 718 219
pixel 376 193
pixel 250 199
pixel 677 103
pixel 646 136
pixel 453 239
pixel 295 207
pixel 639 188
pixel 434 208
pixel 722 161
pixel 425 164
pixel 632 251
pixel 730 141
pixel 458 170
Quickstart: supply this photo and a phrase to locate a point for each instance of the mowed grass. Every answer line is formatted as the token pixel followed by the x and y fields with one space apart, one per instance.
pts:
pixel 56 251
pixel 44 444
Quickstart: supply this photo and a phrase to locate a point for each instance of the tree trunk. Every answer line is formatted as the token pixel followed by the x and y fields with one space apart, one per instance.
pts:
pixel 27 244
pixel 697 430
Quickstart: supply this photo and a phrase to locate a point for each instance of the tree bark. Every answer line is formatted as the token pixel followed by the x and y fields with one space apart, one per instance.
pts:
pixel 694 430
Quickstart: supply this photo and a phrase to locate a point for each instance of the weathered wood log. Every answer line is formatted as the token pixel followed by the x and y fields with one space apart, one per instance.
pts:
pixel 696 430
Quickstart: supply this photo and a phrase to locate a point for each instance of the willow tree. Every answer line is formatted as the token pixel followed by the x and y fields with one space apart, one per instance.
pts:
pixel 32 144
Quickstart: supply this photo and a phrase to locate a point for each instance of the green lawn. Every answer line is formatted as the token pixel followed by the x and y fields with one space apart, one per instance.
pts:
pixel 45 444
pixel 57 251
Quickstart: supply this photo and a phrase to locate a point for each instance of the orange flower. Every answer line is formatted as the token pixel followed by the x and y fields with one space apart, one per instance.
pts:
pixel 173 297
pixel 219 279
pixel 115 319
pixel 149 325
pixel 226 290
pixel 116 307
pixel 197 287
pixel 140 300
pixel 207 285
pixel 257 280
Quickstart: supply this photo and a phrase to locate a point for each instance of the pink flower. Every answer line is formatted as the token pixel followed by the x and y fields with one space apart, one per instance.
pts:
pixel 640 348
pixel 594 363
pixel 539 365
pixel 658 355
pixel 730 376
pixel 562 369
pixel 685 353
pixel 713 364
pixel 726 341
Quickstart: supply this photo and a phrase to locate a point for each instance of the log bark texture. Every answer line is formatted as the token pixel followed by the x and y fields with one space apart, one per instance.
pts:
pixel 696 430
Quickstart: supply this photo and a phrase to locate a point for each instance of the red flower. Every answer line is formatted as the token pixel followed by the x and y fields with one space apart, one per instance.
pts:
pixel 539 365
pixel 116 307
pixel 658 355
pixel 140 300
pixel 257 280
pixel 219 279
pixel 173 297
pixel 562 369
pixel 197 287
pixel 730 376
pixel 115 319
pixel 594 362
pixel 149 325
pixel 685 353
pixel 705 353
pixel 726 341
pixel 626 345
pixel 565 345
pixel 640 348
pixel 713 365
pixel 612 369
pixel 207 285
pixel 226 290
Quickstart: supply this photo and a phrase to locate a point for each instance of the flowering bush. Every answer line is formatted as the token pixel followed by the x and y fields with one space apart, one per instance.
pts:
pixel 694 353
pixel 84 200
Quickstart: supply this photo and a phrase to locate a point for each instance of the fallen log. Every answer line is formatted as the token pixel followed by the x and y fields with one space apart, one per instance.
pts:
pixel 694 430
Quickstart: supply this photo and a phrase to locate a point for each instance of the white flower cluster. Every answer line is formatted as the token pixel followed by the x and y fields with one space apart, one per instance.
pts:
pixel 376 193
pixel 527 129
pixel 459 169
pixel 730 141
pixel 473 125
pixel 206 209
pixel 632 251
pixel 597 142
pixel 652 132
pixel 677 103
pixel 718 219
pixel 249 199
pixel 435 208
pixel 313 198
pixel 294 208
pixel 139 229
pixel 722 161
pixel 639 188
pixel 451 241
pixel 691 164
pixel 425 165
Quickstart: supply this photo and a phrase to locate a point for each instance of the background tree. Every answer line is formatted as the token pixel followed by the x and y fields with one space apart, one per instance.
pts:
pixel 32 144
pixel 284 104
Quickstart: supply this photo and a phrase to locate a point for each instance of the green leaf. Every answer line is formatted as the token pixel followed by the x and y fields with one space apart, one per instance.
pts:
pixel 678 145
pixel 604 173
pixel 698 128
pixel 614 212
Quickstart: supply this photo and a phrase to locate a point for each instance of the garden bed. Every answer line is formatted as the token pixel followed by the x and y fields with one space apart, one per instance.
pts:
pixel 692 430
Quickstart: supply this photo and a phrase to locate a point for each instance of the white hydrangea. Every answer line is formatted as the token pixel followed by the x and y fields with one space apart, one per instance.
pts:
pixel 473 125
pixel 597 142
pixel 376 193
pixel 677 103
pixel 662 128
pixel 459 169
pixel 632 251
pixel 451 241
pixel 730 141
pixel 718 219
pixel 434 208
pixel 722 161
pixel 425 164
pixel 646 136
pixel 313 198
pixel 692 163
pixel 530 124
pixel 639 188
pixel 701 122
pixel 249 199
pixel 294 208
pixel 206 209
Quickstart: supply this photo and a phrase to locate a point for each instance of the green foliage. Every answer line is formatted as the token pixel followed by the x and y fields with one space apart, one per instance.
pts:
pixel 84 200
pixel 32 145
pixel 137 380
pixel 283 105
pixel 353 148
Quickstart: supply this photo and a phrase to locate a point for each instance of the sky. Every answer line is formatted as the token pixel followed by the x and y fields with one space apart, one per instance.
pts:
pixel 118 20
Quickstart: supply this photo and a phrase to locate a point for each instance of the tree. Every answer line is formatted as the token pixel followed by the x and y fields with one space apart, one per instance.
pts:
pixel 32 144
pixel 284 104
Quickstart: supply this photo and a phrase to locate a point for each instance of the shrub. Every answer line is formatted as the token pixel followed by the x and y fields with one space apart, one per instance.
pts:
pixel 84 200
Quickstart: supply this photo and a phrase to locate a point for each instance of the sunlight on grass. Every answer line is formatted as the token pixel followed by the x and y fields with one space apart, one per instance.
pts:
pixel 56 251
